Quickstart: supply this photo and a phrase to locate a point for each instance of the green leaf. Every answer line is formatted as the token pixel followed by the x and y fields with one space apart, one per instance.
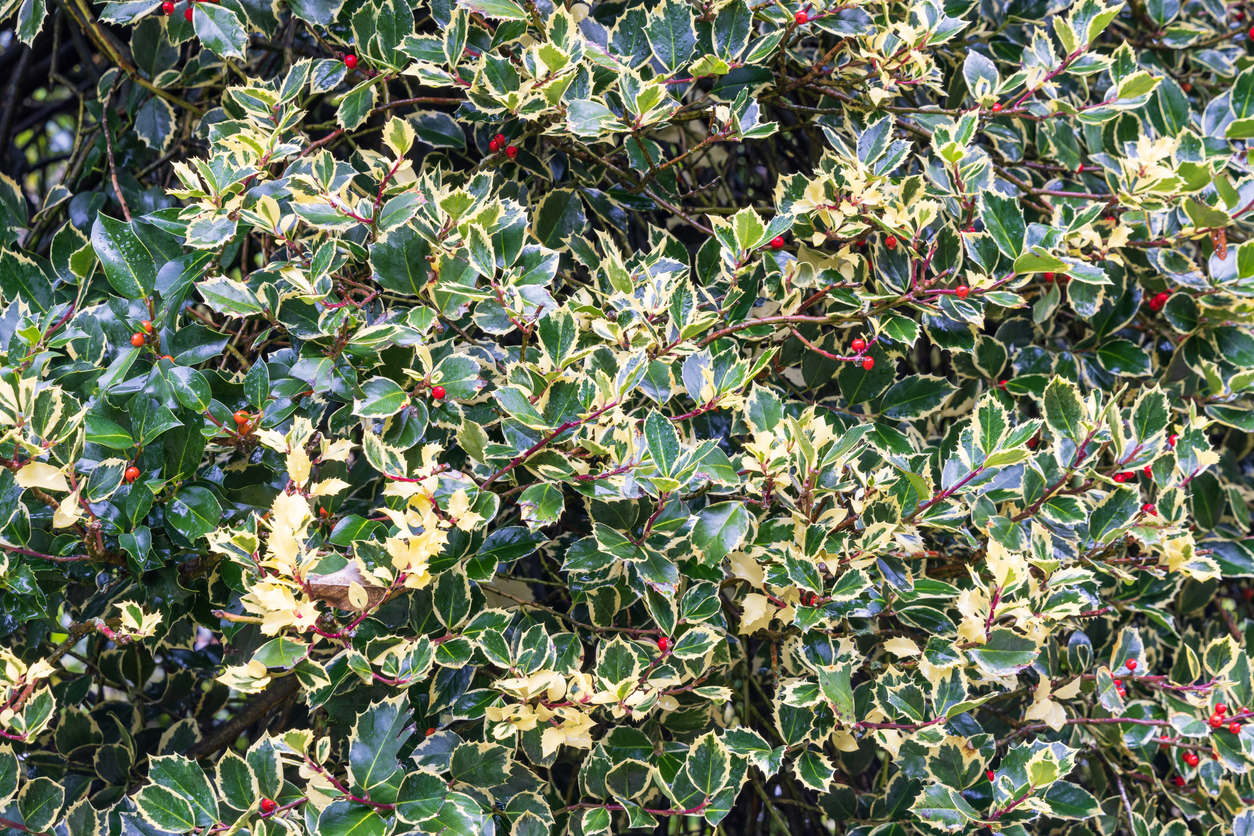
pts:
pixel 237 784
pixel 708 765
pixel 8 773
pixel 670 33
pixel 1063 409
pixel 219 29
pixel 420 797
pixel 165 809
pixel 943 808
pixel 188 780
pixel 1004 653
pixel 1004 221
pixel 559 216
pixel 376 738
pixel 381 397
pixel 1113 514
pixel 128 264
pixel 344 818
pixel 720 530
pixel 916 397
pixel 194 512
pixel 496 9
pixel 102 431
pixel 190 387
pixel 22 277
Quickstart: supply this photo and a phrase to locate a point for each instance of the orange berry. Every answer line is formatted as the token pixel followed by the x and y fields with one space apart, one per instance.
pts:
pixel 137 340
pixel 132 473
pixel 241 417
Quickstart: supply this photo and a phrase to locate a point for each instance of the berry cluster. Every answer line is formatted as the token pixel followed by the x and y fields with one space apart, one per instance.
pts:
pixel 141 336
pixel 1158 300
pixel 499 142
pixel 859 346
pixel 168 8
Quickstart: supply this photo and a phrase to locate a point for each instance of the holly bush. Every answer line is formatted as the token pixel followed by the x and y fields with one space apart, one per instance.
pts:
pixel 507 416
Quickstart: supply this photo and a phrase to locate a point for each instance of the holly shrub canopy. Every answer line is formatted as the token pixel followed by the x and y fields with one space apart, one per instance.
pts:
pixel 484 417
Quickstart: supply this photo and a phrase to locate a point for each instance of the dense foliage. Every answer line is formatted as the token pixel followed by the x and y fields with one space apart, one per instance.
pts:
pixel 493 416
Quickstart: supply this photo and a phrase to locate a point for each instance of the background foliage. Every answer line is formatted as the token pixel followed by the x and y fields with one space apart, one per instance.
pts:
pixel 495 416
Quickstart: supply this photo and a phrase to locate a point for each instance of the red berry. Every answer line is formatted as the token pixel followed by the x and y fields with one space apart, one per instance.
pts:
pixel 1191 758
pixel 1234 728
pixel 1153 512
pixel 1118 477
pixel 493 146
pixel 187 15
pixel 167 7
pixel 1248 594
pixel 1001 384
pixel 1131 664
pixel 1049 277
pixel 962 291
pixel 891 242
pixel 859 345
pixel 241 417
pixel 1178 780
pixel 1148 470
pixel 1161 298
pixel 437 392
pixel 991 775
pixel 1171 439
pixel 1252 33
pixel 137 340
pixel 777 243
pixel 132 473
pixel 500 140
pixel 970 229
pixel 1221 709
pixel 800 17
pixel 1080 169
pixel 868 363
pixel 1216 721
pixel 268 806
pixel 664 644
pixel 997 108
pixel 1186 86
pixel 350 61
pixel 1238 15
pixel 430 732
pixel 1129 476
pixel 511 152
